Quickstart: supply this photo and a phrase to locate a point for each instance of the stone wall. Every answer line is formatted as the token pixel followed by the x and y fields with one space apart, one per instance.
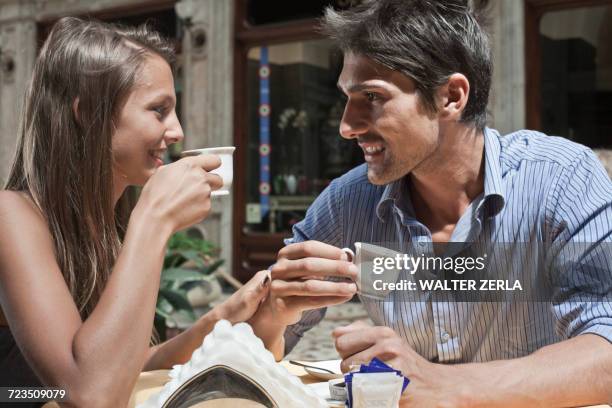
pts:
pixel 507 99
pixel 17 42
pixel 208 95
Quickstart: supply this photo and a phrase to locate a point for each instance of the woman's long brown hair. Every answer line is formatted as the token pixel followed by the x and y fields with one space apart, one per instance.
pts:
pixel 81 80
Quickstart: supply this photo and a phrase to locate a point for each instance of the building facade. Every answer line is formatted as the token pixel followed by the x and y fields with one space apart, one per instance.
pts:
pixel 225 47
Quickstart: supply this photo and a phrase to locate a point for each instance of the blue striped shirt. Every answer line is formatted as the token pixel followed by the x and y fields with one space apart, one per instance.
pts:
pixel 537 189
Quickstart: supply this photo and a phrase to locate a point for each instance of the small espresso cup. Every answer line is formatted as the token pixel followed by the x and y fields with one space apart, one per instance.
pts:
pixel 225 171
pixel 364 258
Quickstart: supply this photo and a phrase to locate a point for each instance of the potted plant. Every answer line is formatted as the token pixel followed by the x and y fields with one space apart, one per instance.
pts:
pixel 189 266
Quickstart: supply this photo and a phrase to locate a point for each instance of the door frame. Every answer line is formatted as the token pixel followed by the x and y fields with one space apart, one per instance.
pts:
pixel 246 37
pixel 534 10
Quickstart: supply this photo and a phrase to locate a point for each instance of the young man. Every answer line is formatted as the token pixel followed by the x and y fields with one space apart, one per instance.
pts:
pixel 417 75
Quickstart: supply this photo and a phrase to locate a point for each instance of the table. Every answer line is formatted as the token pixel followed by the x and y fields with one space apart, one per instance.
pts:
pixel 152 381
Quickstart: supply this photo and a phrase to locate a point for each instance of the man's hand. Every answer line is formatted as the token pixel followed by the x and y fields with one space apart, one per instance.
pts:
pixel 298 279
pixel 299 284
pixel 431 385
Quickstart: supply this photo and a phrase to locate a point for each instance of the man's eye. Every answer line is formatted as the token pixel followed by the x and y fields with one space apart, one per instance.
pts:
pixel 161 110
pixel 371 96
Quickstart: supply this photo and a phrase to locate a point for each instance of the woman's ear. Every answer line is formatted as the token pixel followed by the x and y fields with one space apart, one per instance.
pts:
pixel 453 97
pixel 75 109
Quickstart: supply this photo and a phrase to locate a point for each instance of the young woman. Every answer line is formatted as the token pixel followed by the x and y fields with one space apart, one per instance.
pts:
pixel 78 275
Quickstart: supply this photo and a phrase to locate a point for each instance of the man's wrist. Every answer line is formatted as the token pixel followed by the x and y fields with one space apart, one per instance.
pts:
pixel 477 385
pixel 467 392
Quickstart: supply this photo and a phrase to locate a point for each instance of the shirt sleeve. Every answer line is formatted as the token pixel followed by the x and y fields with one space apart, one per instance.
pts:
pixel 322 223
pixel 582 242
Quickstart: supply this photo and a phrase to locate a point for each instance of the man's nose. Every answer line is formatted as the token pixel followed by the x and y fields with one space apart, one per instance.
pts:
pixel 354 122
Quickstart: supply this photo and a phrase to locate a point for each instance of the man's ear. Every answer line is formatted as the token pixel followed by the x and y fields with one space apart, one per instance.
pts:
pixel 75 109
pixel 453 97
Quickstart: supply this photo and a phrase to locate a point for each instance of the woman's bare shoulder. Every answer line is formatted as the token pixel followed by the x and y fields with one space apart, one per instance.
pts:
pixel 21 218
pixel 18 204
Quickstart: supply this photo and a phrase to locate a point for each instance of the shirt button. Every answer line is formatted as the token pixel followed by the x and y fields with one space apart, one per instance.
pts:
pixel 445 337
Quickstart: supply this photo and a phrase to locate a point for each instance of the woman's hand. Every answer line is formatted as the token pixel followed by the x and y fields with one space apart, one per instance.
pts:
pixel 178 194
pixel 243 304
pixel 238 308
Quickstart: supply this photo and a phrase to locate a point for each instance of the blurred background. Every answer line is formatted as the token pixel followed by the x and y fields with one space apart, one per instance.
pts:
pixel 256 74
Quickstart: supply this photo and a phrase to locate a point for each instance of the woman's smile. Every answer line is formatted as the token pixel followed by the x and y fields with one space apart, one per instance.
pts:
pixel 158 156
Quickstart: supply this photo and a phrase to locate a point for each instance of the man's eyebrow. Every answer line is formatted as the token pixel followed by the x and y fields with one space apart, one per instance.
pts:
pixel 357 87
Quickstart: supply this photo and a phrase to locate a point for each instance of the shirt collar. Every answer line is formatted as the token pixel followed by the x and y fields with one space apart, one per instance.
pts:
pixel 397 194
pixel 494 192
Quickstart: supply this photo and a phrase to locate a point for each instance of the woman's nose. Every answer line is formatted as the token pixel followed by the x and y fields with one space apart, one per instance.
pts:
pixel 174 133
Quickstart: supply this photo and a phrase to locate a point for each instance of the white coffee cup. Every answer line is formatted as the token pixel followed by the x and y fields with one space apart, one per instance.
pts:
pixel 225 171
pixel 363 258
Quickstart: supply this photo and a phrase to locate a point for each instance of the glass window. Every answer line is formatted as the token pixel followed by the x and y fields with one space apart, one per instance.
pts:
pixel 576 63
pixel 294 149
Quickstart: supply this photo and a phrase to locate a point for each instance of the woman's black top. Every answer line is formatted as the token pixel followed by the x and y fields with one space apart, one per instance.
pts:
pixel 14 370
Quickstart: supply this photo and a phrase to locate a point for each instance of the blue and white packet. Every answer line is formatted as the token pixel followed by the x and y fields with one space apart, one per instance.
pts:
pixel 385 381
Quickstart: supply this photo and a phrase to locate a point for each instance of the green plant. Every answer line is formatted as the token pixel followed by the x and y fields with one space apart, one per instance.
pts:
pixel 188 262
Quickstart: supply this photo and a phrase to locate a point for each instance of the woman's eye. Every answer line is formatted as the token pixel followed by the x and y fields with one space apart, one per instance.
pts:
pixel 371 96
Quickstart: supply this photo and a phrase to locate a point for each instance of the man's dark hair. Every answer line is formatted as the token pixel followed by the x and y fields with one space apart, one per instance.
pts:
pixel 426 40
